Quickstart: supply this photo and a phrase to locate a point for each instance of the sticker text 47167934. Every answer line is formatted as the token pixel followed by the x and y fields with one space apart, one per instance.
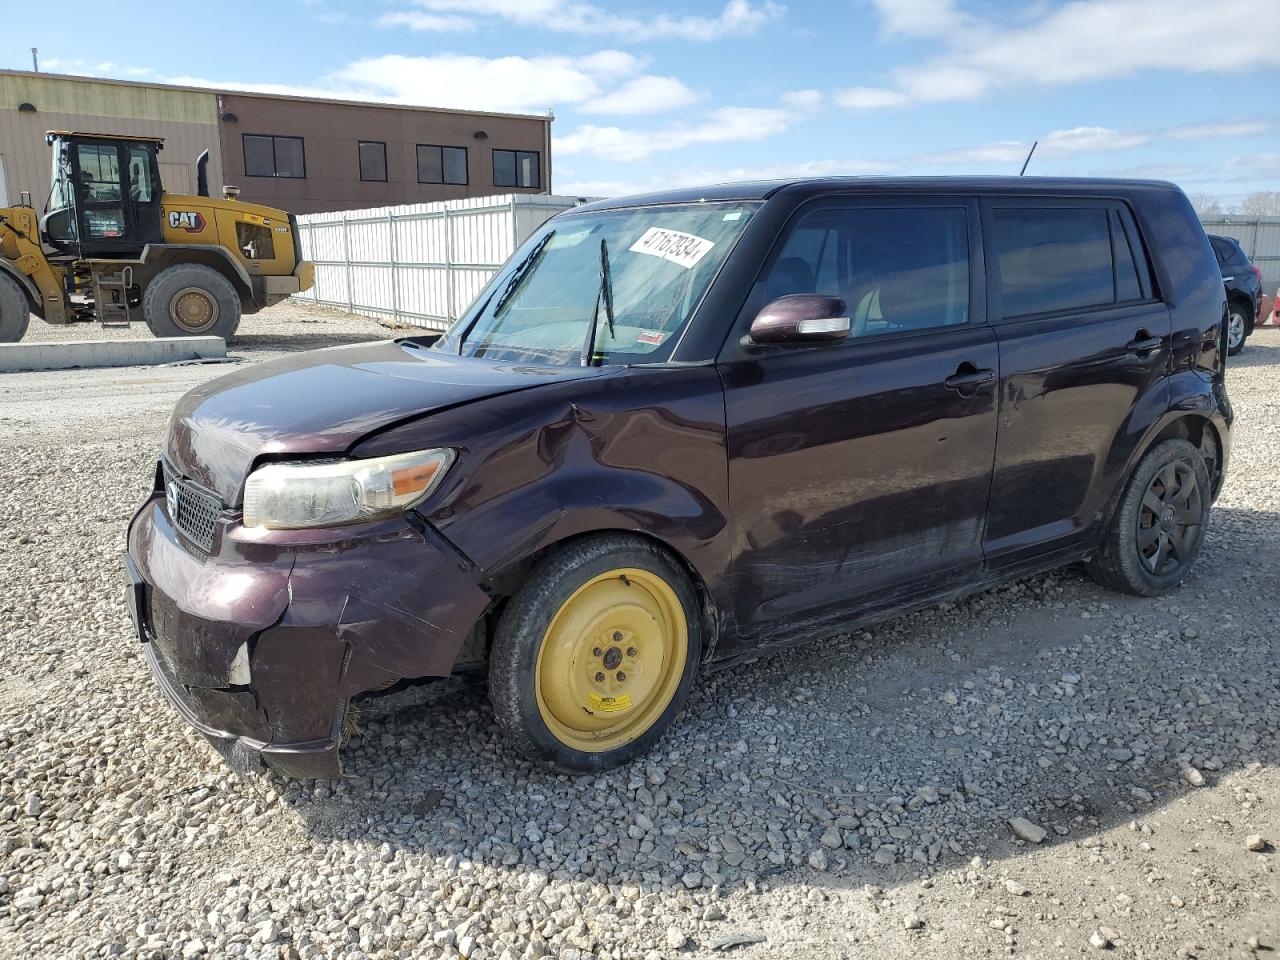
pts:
pixel 685 249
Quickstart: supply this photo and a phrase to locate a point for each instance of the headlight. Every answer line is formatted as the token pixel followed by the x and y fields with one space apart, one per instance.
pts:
pixel 289 496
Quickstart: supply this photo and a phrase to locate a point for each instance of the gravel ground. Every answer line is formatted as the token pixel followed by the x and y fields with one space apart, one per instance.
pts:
pixel 1043 770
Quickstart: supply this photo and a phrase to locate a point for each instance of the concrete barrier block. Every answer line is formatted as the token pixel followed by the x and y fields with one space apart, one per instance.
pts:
pixel 107 353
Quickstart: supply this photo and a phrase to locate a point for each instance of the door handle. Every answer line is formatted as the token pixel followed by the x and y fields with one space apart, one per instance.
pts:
pixel 1144 343
pixel 969 378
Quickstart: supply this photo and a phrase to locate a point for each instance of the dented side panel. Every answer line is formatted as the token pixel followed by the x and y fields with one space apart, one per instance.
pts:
pixel 638 449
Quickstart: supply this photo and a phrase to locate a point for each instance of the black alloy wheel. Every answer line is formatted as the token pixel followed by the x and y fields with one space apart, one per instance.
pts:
pixel 1172 510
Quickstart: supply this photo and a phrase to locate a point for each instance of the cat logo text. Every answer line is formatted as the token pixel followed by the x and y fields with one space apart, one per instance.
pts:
pixel 190 220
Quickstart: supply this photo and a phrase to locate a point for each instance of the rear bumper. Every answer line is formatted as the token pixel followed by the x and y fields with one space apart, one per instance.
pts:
pixel 262 648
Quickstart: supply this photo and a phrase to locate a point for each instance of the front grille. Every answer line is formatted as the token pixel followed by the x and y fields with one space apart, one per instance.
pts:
pixel 193 510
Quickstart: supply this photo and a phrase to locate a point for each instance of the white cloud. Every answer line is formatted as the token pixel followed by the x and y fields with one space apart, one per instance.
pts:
pixel 922 18
pixel 580 17
pixel 722 125
pixel 480 83
pixel 1083 40
pixel 426 22
pixel 1224 130
pixel 644 94
pixel 869 98
pixel 1249 166
pixel 88 68
pixel 803 100
pixel 1059 143
pixel 1087 140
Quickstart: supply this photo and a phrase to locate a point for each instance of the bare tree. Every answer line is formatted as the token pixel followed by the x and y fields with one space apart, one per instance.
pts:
pixel 1264 203
pixel 1207 206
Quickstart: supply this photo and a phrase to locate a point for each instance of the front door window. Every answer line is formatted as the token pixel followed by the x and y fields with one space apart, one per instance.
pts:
pixel 100 185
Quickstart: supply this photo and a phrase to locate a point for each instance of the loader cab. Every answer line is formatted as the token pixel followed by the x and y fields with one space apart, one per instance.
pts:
pixel 105 195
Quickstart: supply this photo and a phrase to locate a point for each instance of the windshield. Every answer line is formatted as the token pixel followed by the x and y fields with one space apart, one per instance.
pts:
pixel 650 265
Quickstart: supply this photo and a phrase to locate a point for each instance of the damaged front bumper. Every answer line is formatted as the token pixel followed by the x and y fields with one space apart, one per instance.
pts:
pixel 261 645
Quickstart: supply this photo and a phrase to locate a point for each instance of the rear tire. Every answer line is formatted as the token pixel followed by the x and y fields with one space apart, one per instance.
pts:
pixel 1159 525
pixel 190 300
pixel 1237 329
pixel 596 654
pixel 15 311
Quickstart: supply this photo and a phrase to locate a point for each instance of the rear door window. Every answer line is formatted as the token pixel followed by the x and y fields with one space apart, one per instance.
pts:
pixel 1053 259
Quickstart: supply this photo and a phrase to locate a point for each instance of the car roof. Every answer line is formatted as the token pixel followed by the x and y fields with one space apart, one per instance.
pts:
pixel 802 188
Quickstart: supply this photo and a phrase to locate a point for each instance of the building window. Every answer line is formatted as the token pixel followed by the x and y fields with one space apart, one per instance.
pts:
pixel 516 168
pixel 268 156
pixel 442 164
pixel 373 160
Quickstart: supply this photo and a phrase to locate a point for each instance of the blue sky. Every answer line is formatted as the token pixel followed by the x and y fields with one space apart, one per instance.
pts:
pixel 682 91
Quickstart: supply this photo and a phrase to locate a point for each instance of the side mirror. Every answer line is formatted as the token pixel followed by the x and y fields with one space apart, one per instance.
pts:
pixel 58 227
pixel 800 318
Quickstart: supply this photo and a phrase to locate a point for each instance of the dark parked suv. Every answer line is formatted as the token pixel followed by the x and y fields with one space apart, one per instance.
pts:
pixel 681 429
pixel 1244 290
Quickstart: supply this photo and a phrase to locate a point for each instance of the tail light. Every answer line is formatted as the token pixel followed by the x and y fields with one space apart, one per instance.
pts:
pixel 1256 272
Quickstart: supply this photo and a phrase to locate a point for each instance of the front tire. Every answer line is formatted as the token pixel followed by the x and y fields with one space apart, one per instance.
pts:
pixel 15 312
pixel 596 653
pixel 1237 330
pixel 189 300
pixel 1159 525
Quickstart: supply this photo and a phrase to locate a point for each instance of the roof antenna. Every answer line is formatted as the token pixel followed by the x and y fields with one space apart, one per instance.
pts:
pixel 1034 144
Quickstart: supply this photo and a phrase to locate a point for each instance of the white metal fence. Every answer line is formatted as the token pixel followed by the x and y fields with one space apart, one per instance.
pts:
pixel 1260 237
pixel 420 264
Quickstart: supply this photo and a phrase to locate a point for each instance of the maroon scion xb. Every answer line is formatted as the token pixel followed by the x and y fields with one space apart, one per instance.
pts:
pixel 679 430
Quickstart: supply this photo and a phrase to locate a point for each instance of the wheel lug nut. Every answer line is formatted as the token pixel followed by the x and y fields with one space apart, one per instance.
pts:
pixel 617 636
pixel 596 651
pixel 599 678
pixel 621 676
pixel 631 651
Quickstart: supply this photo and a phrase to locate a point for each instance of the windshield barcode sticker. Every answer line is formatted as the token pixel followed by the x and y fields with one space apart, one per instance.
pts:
pixel 682 248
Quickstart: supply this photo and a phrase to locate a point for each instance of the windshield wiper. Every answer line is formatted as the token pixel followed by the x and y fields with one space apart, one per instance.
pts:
pixel 523 269
pixel 604 294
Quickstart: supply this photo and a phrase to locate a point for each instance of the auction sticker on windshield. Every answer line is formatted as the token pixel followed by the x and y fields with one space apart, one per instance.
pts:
pixel 682 248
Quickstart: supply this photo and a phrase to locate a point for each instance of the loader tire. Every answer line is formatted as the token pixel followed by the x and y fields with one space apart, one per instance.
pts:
pixel 15 312
pixel 189 300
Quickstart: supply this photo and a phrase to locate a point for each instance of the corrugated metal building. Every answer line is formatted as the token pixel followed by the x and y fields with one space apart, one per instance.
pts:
pixel 304 155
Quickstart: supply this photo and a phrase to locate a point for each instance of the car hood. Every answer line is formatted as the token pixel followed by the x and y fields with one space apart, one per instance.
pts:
pixel 323 401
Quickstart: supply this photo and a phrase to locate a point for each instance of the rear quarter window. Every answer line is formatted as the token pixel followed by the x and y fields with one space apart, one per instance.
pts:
pixel 1229 251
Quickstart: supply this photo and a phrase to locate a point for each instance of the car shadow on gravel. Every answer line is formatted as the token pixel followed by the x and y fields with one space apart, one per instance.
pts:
pixel 869 758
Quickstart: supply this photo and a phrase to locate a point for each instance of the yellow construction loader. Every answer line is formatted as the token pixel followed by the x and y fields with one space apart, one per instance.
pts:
pixel 112 246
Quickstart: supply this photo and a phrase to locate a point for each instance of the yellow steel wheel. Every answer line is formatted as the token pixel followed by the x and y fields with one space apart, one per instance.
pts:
pixel 194 309
pixel 611 660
